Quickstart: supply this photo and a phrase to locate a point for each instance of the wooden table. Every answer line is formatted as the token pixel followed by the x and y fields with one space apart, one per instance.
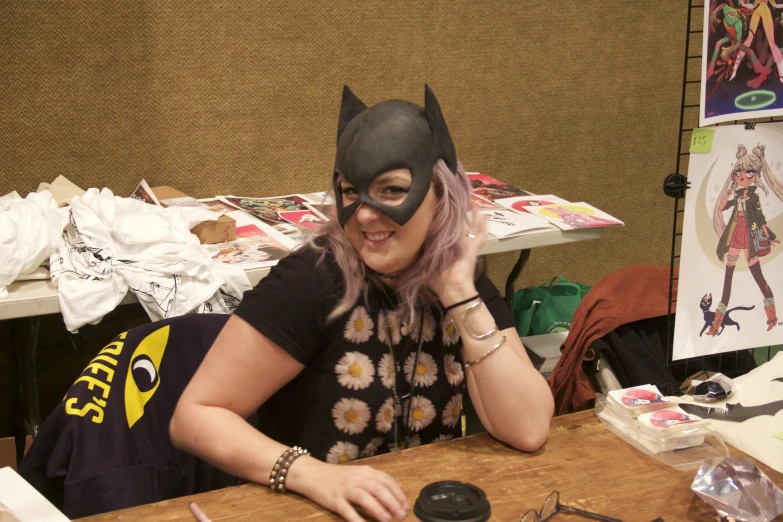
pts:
pixel 591 467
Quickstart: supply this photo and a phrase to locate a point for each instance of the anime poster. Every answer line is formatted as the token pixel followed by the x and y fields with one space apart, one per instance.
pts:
pixel 730 267
pixel 570 216
pixel 256 245
pixel 742 62
pixel 521 203
pixel 492 189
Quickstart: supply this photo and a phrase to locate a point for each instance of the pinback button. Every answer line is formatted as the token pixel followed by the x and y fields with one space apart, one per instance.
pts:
pixel 452 501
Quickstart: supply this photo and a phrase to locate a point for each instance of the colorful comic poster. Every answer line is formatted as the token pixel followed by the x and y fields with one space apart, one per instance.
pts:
pixel 521 203
pixel 742 63
pixel 266 209
pixel 492 189
pixel 570 216
pixel 730 265
pixel 256 245
pixel 144 193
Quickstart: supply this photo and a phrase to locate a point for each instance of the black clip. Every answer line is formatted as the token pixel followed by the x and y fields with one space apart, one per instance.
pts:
pixel 675 186
pixel 750 125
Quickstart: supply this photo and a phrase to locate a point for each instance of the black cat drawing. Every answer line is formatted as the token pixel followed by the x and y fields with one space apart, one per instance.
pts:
pixel 709 316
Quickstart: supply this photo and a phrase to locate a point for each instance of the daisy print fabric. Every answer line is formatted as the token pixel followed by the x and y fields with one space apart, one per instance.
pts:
pixel 422 413
pixel 453 370
pixel 386 371
pixel 355 371
pixel 450 333
pixel 389 328
pixel 351 415
pixel 359 327
pixel 452 411
pixel 425 370
pixel 342 452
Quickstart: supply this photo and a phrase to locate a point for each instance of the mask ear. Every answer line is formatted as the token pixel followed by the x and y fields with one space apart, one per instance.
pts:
pixel 440 132
pixel 349 108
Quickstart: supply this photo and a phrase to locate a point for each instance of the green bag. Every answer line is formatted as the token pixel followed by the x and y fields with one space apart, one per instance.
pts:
pixel 547 308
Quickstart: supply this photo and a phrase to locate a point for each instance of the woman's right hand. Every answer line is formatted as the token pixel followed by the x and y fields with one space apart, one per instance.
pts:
pixel 342 489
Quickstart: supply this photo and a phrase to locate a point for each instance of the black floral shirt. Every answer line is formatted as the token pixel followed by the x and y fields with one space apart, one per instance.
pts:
pixel 342 405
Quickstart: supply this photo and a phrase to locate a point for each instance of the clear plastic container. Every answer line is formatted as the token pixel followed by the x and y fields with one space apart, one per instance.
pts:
pixel 682 445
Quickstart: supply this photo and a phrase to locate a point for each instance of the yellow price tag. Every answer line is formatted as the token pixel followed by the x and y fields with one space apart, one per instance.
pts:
pixel 779 435
pixel 701 141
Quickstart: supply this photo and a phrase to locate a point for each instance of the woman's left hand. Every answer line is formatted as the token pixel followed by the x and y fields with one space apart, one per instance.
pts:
pixel 458 279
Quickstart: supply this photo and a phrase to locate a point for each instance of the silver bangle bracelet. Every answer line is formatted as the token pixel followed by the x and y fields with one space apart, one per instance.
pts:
pixel 478 337
pixel 468 364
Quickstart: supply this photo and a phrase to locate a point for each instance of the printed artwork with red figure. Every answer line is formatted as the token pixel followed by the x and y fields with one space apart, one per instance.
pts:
pixel 742 64
pixel 302 218
pixel 634 398
pixel 668 418
pixel 522 203
pixel 252 247
pixel 492 189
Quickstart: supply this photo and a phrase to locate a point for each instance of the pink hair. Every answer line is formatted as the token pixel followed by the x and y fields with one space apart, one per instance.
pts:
pixel 441 247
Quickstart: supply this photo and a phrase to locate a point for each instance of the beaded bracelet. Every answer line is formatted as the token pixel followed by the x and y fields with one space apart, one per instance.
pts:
pixel 280 469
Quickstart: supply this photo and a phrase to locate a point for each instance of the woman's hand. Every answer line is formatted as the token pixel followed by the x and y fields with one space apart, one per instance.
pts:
pixel 342 489
pixel 454 282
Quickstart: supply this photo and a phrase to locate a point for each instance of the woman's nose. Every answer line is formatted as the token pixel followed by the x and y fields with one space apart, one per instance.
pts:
pixel 366 213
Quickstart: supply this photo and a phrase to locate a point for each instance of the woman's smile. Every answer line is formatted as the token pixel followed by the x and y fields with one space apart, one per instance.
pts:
pixel 376 239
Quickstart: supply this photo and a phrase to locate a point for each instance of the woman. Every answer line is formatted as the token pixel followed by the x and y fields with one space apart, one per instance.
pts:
pixel 747 229
pixel 353 345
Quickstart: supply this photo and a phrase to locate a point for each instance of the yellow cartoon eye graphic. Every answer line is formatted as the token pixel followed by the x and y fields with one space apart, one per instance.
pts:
pixel 144 373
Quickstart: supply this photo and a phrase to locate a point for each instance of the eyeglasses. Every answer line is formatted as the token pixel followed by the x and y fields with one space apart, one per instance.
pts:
pixel 552 507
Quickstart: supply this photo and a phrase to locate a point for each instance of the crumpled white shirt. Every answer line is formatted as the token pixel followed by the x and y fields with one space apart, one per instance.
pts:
pixel 112 245
pixel 30 230
pixel 755 436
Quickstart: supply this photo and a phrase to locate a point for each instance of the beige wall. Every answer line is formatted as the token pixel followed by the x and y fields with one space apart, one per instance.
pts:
pixel 579 99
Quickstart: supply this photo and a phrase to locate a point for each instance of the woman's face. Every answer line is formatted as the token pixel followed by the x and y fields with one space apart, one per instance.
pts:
pixel 744 178
pixel 383 245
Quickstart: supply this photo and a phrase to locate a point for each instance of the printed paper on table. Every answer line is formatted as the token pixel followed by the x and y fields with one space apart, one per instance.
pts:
pixel 504 223
pixel 521 203
pixel 490 188
pixel 257 244
pixel 571 216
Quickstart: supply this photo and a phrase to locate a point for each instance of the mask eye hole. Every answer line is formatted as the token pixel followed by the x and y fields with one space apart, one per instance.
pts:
pixel 144 373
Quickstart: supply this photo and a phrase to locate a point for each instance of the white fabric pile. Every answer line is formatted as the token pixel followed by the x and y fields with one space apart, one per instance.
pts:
pixel 760 437
pixel 113 245
pixel 30 229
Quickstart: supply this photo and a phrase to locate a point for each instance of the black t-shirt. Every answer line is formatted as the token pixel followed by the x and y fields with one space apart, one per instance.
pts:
pixel 106 446
pixel 342 406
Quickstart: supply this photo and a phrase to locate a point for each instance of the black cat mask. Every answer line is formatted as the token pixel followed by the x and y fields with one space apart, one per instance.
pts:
pixel 393 134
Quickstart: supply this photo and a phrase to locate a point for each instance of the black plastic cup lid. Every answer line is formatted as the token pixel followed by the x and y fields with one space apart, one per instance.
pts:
pixel 452 501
